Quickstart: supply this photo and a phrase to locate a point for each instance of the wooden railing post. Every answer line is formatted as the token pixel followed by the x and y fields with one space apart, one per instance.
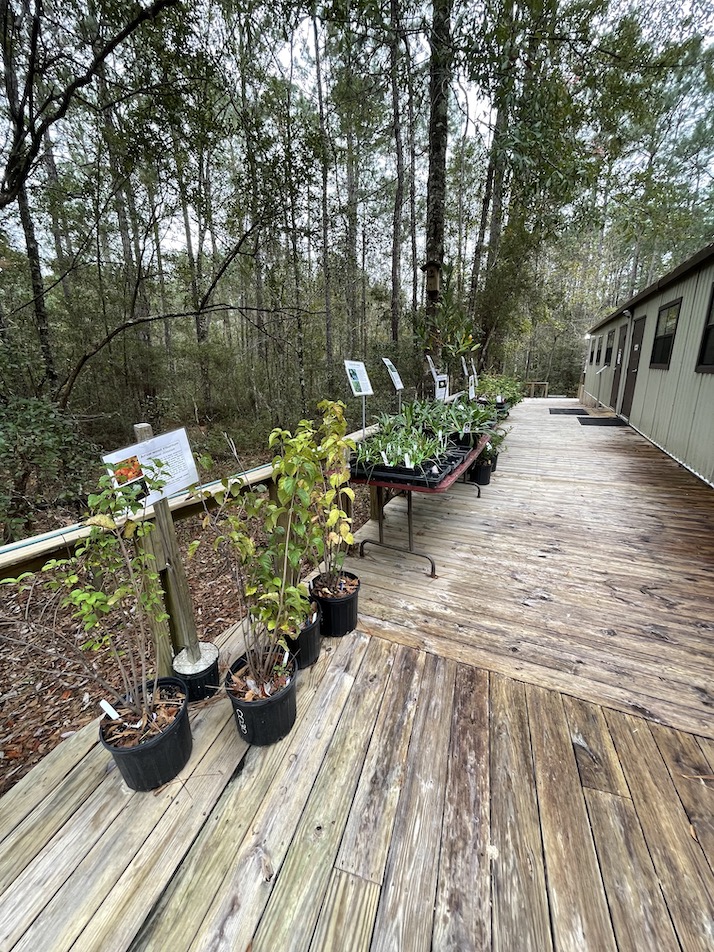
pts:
pixel 179 607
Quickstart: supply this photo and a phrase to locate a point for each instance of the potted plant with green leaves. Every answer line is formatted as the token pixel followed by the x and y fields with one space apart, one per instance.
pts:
pixel 261 682
pixel 334 589
pixel 265 539
pixel 297 474
pixel 111 585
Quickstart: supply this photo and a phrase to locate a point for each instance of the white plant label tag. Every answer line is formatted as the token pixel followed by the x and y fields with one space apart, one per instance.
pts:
pixel 384 457
pixel 109 710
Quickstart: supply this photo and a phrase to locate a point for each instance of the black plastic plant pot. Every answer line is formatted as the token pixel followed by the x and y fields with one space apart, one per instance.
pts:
pixel 494 460
pixel 202 679
pixel 266 720
pixel 339 615
pixel 306 647
pixel 480 473
pixel 156 761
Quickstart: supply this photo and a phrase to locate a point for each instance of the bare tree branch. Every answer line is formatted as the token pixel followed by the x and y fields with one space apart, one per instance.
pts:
pixel 28 133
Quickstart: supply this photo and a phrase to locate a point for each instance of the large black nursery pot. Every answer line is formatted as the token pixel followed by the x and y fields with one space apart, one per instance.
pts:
pixel 306 647
pixel 156 761
pixel 266 720
pixel 339 615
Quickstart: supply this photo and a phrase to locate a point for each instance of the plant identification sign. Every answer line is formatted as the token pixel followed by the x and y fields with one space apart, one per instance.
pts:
pixel 393 373
pixel 169 451
pixel 357 376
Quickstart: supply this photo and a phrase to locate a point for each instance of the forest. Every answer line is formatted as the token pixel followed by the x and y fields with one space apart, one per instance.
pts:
pixel 205 207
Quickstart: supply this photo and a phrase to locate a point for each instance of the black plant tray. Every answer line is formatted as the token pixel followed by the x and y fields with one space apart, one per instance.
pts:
pixel 402 474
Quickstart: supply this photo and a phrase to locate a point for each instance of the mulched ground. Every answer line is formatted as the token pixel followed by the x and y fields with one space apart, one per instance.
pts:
pixel 41 703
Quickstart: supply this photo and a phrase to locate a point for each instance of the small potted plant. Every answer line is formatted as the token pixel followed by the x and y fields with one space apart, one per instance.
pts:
pixel 335 590
pixel 111 584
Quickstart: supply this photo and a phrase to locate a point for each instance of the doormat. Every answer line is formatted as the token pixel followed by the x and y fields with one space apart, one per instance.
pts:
pixel 602 421
pixel 580 412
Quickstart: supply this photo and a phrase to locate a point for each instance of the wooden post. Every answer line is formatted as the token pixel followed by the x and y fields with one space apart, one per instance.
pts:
pixel 182 624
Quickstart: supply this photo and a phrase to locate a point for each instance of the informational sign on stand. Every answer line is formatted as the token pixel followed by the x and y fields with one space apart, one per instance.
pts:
pixel 361 387
pixel 172 450
pixel 393 373
pixel 396 380
pixel 357 376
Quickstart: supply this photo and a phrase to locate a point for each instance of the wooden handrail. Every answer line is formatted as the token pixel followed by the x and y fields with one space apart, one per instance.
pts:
pixel 28 555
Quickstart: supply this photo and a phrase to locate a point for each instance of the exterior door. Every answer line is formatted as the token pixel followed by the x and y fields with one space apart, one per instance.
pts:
pixel 618 366
pixel 633 364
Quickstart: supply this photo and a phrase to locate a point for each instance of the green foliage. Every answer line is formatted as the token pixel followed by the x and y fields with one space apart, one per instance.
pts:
pixel 43 461
pixel 422 432
pixel 491 386
pixel 111 584
pixel 451 331
pixel 267 540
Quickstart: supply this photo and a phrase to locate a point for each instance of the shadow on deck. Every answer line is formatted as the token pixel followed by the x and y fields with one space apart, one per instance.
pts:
pixel 516 755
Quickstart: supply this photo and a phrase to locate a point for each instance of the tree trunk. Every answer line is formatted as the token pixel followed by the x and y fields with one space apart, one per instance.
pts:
pixel 38 289
pixel 325 209
pixel 439 82
pixel 412 182
pixel 58 219
pixel 396 301
pixel 352 208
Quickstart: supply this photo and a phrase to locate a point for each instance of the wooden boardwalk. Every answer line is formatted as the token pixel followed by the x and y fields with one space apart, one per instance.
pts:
pixel 516 755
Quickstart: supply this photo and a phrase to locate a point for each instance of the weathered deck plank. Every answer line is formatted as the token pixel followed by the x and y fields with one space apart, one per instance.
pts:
pixel 365 844
pixel 581 922
pixel 639 914
pixel 406 908
pixel 347 915
pixel 520 904
pixel 597 759
pixel 677 858
pixel 689 770
pixel 236 909
pixel 177 916
pixel 462 916
pixel 305 872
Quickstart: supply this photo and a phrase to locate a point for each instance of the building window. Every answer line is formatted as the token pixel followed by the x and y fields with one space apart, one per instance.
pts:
pixel 599 350
pixel 608 347
pixel 592 350
pixel 664 335
pixel 705 364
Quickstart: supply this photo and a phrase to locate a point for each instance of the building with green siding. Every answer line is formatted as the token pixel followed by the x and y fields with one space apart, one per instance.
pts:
pixel 652 362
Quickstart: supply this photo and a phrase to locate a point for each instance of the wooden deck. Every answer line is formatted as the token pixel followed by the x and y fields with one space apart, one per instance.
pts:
pixel 516 755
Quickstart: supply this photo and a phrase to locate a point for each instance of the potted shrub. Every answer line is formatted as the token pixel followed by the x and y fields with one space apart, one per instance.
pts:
pixel 296 476
pixel 264 541
pixel 111 584
pixel 261 682
pixel 335 590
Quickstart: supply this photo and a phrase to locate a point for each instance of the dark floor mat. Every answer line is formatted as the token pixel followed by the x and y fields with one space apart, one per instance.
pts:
pixel 602 421
pixel 556 411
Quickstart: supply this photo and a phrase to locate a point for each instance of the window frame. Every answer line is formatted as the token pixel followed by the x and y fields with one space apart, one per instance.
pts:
pixel 702 368
pixel 609 345
pixel 661 364
pixel 592 350
pixel 599 350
